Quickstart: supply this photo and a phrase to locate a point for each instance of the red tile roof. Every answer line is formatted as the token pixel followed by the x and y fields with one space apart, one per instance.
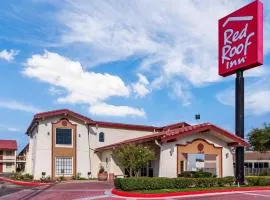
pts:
pixel 86 120
pixel 166 133
pixel 137 140
pixel 205 127
pixel 8 144
pixel 173 126
pixel 175 134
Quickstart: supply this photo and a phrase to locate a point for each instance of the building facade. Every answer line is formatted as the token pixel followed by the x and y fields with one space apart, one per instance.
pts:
pixel 8 150
pixel 65 143
pixel 256 163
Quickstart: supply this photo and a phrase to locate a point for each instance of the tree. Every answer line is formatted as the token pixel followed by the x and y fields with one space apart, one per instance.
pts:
pixel 259 138
pixel 133 157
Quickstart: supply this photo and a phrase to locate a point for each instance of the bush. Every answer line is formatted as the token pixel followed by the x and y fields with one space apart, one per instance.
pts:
pixel 45 179
pixel 258 181
pixel 197 174
pixel 20 176
pixel 156 183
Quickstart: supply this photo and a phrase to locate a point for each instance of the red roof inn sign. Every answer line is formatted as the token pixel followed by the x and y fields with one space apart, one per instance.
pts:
pixel 240 48
pixel 241 39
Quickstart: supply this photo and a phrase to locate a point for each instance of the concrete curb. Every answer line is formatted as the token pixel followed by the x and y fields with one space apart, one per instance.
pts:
pixel 179 194
pixel 23 183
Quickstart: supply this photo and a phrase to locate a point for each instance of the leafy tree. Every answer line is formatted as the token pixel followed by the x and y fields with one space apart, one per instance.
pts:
pixel 133 157
pixel 259 138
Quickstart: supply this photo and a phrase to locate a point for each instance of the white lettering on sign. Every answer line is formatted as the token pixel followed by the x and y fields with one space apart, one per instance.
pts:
pixel 230 49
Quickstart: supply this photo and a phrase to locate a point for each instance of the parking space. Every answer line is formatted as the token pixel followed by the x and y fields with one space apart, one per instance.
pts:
pixel 6 188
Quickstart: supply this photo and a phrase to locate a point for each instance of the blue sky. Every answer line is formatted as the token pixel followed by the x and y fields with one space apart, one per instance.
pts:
pixel 145 62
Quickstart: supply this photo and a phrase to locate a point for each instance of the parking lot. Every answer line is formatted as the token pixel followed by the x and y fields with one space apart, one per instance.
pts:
pixel 101 190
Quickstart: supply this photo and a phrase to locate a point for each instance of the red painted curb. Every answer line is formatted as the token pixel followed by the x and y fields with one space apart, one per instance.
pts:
pixel 141 195
pixel 32 184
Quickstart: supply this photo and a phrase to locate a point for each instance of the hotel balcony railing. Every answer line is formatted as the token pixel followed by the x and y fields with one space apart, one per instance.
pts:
pixel 8 157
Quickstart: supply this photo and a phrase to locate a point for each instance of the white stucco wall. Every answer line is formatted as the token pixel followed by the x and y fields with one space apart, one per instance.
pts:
pixel 38 159
pixel 111 136
pixel 42 150
pixel 28 157
pixel 83 160
pixel 168 155
pixel 110 166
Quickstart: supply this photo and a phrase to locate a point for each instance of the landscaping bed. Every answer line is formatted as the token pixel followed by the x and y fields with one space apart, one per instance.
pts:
pixel 155 185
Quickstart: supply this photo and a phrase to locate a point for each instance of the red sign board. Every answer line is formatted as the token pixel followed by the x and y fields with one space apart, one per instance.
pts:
pixel 241 39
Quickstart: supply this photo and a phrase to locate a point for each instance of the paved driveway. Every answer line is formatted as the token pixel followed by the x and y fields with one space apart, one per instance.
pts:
pixel 101 190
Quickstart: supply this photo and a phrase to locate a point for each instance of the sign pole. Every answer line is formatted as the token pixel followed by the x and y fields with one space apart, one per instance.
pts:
pixel 239 125
pixel 240 48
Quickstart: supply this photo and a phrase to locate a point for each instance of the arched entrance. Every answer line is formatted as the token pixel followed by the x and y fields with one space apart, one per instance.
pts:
pixel 198 146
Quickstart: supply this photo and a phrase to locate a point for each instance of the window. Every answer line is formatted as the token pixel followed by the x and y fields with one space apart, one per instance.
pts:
pixel 63 166
pixel 144 171
pixel 260 165
pixel 182 166
pixel 9 153
pixel 101 137
pixel 256 165
pixel 63 136
pixel 248 165
pixel 265 165
pixel 8 165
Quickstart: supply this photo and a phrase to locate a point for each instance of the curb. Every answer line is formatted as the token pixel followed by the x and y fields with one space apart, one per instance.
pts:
pixel 172 194
pixel 23 183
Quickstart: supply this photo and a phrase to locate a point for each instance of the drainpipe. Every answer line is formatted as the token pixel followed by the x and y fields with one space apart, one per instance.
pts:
pixel 89 149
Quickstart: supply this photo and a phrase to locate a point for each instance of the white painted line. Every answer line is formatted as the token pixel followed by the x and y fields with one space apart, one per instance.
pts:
pixel 14 193
pixel 255 194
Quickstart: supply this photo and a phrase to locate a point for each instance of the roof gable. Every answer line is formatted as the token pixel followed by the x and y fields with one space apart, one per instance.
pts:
pixel 200 128
pixel 174 134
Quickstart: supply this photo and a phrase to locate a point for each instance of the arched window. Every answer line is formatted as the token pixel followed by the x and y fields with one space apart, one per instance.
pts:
pixel 101 137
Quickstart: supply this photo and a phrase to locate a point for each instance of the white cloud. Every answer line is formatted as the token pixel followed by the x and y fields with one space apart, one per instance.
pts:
pixel 9 129
pixel 181 91
pixel 257 97
pixel 80 86
pixel 172 35
pixel 174 39
pixel 8 55
pixel 111 110
pixel 141 86
pixel 55 91
pixel 14 105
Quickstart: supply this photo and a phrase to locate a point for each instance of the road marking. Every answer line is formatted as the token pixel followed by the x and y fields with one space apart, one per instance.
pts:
pixel 255 194
pixel 11 194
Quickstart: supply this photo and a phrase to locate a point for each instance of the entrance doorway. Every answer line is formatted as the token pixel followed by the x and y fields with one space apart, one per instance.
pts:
pixel 199 154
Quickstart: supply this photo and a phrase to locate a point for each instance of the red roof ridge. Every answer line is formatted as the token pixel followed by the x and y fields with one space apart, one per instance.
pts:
pixel 103 123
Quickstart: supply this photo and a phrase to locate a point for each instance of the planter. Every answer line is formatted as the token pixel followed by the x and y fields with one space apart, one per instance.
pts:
pixel 103 176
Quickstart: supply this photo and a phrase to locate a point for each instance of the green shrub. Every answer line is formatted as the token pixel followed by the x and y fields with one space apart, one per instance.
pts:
pixel 197 174
pixel 156 183
pixel 20 176
pixel 45 179
pixel 258 181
